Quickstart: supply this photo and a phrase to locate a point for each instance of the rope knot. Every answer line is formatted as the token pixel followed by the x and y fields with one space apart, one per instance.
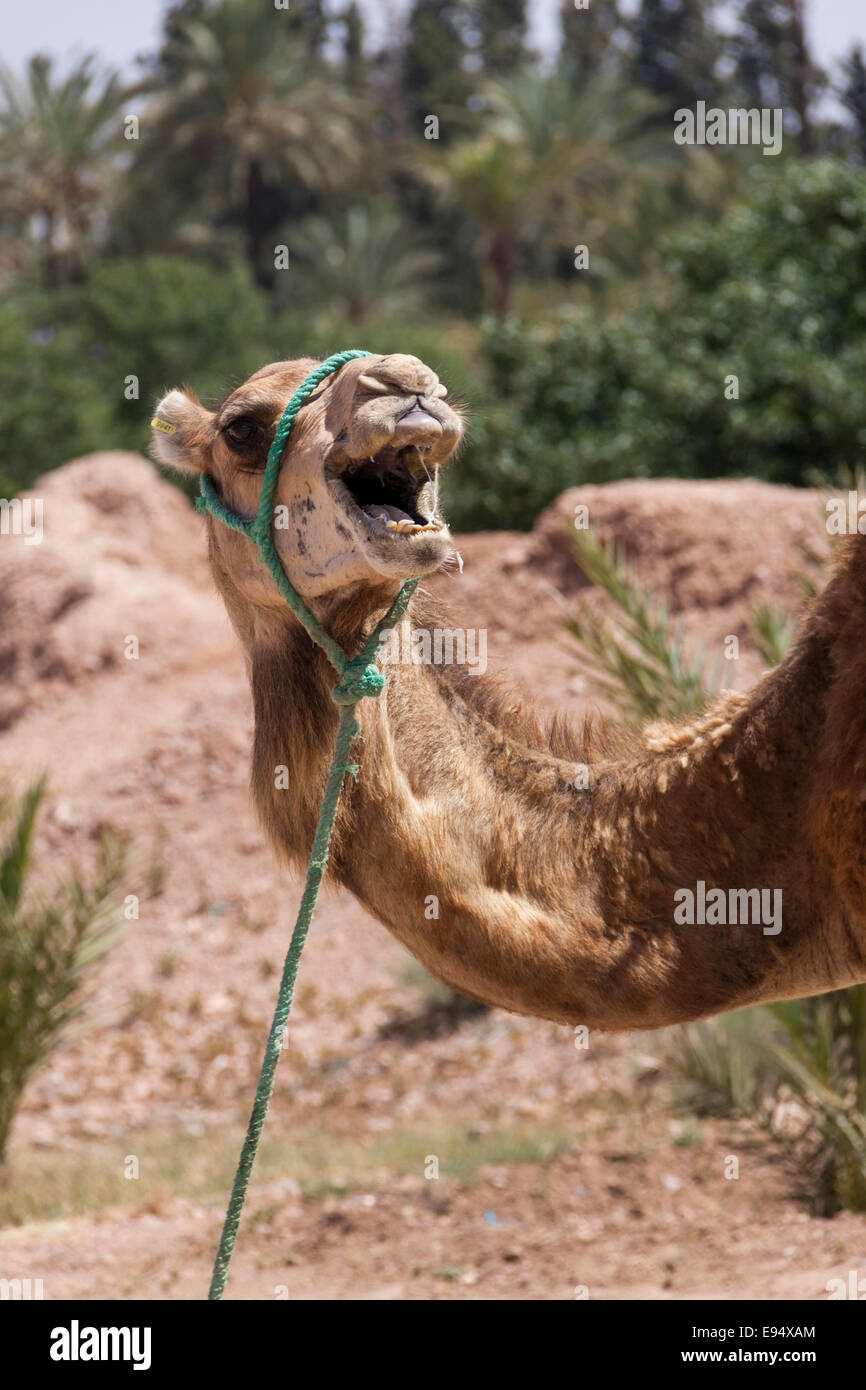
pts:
pixel 361 677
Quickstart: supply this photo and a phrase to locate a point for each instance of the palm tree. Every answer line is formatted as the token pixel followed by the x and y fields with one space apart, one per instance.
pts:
pixel 247 100
pixel 59 139
pixel 366 260
pixel 544 156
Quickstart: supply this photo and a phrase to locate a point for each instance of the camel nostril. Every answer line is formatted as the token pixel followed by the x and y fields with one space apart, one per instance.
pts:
pixel 418 423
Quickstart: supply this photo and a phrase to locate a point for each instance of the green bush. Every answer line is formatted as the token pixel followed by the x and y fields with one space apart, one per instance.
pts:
pixel 50 406
pixel 169 320
pixel 772 294
pixel 811 1052
pixel 67 356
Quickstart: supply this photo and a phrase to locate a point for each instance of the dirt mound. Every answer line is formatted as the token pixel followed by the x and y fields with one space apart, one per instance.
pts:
pixel 121 557
pixel 706 545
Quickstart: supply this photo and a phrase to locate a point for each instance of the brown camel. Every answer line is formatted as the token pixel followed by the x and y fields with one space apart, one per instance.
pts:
pixel 529 865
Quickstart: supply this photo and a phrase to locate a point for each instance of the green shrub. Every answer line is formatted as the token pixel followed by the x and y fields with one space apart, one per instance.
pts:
pixel 51 936
pixel 51 408
pixel 638 656
pixel 67 356
pixel 809 1051
pixel 773 294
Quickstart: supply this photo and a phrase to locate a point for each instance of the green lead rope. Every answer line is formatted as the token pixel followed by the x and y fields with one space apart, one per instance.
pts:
pixel 359 677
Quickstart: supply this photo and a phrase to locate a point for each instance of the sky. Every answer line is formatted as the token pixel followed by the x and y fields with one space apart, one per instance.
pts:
pixel 120 29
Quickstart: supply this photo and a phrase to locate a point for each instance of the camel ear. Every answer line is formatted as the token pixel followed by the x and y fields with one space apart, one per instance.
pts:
pixel 181 433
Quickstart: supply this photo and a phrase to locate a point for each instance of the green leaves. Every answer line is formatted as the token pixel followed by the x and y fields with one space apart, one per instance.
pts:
pixel 809 1053
pixel 15 860
pixel 638 654
pixel 774 630
pixel 148 316
pixel 364 264
pixel 52 934
pixel 771 293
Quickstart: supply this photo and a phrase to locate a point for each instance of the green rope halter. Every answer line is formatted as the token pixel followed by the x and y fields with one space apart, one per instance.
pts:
pixel 359 676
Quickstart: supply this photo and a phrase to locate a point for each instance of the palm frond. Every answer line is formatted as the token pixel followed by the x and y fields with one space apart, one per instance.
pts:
pixel 773 630
pixel 52 935
pixel 16 857
pixel 638 654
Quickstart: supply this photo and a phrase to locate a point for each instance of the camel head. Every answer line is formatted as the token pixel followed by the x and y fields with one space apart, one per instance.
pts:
pixel 357 497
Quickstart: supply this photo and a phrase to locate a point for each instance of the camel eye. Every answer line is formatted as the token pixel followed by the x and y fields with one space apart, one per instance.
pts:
pixel 240 431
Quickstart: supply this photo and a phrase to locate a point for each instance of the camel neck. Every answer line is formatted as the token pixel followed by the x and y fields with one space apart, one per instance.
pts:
pixel 602 881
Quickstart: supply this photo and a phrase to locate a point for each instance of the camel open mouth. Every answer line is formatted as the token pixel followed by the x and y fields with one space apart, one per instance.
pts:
pixel 395 492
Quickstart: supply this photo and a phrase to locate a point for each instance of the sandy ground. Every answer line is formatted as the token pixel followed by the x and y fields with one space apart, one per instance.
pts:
pixel 561 1172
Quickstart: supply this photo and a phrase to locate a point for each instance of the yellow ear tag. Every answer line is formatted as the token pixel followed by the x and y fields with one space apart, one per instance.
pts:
pixel 163 426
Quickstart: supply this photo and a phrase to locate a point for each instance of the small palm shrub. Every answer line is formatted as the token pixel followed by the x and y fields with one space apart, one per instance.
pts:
pixel 638 655
pixel 51 937
pixel 798 1069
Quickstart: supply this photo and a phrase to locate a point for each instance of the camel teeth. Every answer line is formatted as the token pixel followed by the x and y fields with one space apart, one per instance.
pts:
pixel 406 527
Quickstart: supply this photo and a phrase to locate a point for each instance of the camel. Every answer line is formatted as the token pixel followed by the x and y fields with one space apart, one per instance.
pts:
pixel 528 864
